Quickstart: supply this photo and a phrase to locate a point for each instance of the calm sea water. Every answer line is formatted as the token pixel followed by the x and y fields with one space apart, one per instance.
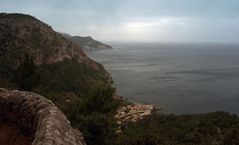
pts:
pixel 180 78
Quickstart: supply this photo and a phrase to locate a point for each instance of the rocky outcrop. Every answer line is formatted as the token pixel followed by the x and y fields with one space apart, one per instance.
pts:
pixel 38 116
pixel 133 112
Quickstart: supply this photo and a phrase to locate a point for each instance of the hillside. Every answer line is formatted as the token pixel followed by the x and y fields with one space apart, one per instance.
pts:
pixel 87 43
pixel 55 59
pixel 33 57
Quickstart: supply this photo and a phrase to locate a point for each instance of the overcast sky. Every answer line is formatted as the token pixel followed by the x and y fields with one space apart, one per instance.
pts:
pixel 137 20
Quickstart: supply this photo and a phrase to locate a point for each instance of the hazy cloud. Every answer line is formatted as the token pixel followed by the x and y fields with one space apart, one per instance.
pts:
pixel 137 20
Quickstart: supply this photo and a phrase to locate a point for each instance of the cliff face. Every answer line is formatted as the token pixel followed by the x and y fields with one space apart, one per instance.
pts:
pixel 20 34
pixel 40 117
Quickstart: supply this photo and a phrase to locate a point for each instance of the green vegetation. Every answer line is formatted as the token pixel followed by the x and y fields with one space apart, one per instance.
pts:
pixel 78 90
pixel 99 100
pixel 26 78
pixel 89 105
pixel 55 80
pixel 93 114
pixel 67 76
pixel 219 128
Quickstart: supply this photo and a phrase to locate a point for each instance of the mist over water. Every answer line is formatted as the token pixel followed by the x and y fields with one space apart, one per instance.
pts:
pixel 180 78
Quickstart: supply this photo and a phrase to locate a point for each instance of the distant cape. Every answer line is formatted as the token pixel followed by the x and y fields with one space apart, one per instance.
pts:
pixel 87 43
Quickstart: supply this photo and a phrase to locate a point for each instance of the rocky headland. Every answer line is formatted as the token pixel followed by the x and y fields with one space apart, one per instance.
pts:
pixel 87 43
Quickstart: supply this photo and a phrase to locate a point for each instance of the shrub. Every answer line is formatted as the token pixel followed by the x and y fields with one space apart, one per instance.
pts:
pixel 26 78
pixel 99 99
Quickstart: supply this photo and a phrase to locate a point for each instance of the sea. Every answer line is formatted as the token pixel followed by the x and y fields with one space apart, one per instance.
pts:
pixel 180 78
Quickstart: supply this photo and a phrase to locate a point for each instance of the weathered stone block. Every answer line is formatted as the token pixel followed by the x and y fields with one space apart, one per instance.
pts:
pixel 39 116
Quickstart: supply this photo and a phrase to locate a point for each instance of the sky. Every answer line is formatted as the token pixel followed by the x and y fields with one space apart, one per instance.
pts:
pixel 137 20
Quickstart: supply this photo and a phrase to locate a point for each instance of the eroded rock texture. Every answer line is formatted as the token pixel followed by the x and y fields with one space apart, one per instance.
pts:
pixel 38 116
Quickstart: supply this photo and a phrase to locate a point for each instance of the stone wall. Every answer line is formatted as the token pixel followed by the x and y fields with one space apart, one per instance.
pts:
pixel 38 116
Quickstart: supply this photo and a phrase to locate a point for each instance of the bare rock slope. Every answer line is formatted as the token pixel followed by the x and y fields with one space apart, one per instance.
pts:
pixel 20 34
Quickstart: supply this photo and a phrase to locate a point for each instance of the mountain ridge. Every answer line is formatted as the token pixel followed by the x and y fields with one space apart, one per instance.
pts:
pixel 28 32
